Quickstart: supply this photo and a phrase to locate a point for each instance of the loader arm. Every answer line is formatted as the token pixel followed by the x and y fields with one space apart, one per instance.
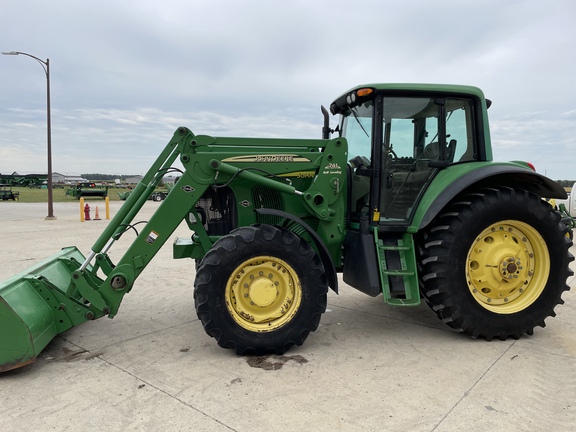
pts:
pixel 68 289
pixel 106 295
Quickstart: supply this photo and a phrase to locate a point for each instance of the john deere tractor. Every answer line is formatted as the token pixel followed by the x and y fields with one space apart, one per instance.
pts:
pixel 403 198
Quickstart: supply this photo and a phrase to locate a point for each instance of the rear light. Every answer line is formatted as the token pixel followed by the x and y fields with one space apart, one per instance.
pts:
pixel 531 165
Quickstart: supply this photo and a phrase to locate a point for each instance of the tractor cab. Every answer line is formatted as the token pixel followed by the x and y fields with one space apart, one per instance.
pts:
pixel 399 140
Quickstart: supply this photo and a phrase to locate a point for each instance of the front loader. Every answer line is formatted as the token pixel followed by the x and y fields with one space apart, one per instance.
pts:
pixel 405 201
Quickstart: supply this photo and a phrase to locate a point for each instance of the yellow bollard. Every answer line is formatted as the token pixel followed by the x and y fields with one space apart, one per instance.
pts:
pixel 107 208
pixel 81 209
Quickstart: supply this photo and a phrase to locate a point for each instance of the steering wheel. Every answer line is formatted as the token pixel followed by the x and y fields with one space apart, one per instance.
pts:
pixel 391 155
pixel 359 161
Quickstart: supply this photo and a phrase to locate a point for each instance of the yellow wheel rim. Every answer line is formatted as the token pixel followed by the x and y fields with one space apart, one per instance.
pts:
pixel 507 267
pixel 263 294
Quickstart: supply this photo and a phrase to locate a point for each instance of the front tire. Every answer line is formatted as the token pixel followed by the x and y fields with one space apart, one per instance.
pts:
pixel 494 264
pixel 260 290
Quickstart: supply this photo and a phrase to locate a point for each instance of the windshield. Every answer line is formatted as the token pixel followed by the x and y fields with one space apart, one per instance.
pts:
pixel 356 127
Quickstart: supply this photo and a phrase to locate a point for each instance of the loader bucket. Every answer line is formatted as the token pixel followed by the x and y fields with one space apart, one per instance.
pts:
pixel 33 307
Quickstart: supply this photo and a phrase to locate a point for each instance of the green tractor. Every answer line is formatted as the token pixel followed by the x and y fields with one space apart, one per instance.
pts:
pixel 405 201
pixel 87 190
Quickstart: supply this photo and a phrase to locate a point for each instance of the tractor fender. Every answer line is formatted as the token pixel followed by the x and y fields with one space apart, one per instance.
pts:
pixel 454 180
pixel 322 249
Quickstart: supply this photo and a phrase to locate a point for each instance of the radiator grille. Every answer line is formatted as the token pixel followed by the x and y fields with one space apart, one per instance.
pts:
pixel 264 197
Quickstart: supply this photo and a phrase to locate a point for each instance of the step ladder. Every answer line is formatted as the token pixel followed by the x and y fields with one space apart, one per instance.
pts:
pixel 406 274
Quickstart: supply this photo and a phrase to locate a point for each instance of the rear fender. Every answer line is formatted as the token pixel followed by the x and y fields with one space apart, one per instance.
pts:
pixel 459 178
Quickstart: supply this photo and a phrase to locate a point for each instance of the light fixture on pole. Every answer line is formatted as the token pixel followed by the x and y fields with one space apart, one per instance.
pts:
pixel 46 66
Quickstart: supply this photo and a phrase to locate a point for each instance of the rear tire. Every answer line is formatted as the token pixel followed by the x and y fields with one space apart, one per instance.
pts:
pixel 494 264
pixel 260 290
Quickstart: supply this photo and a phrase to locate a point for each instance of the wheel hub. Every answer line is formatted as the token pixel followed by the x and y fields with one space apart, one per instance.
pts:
pixel 262 292
pixel 510 266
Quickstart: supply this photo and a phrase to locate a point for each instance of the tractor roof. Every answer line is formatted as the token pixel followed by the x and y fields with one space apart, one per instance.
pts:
pixel 405 88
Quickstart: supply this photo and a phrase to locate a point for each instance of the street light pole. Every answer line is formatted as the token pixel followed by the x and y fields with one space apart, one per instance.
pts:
pixel 46 66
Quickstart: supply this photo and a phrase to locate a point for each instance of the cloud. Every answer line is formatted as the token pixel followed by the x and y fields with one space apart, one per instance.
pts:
pixel 539 138
pixel 129 140
pixel 125 74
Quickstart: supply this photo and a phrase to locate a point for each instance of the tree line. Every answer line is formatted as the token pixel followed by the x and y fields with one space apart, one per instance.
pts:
pixel 565 183
pixel 98 176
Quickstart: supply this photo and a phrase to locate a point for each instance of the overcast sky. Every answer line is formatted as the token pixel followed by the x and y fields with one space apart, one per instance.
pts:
pixel 125 74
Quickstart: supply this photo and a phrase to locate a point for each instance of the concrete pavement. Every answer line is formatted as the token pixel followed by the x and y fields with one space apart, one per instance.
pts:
pixel 369 367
